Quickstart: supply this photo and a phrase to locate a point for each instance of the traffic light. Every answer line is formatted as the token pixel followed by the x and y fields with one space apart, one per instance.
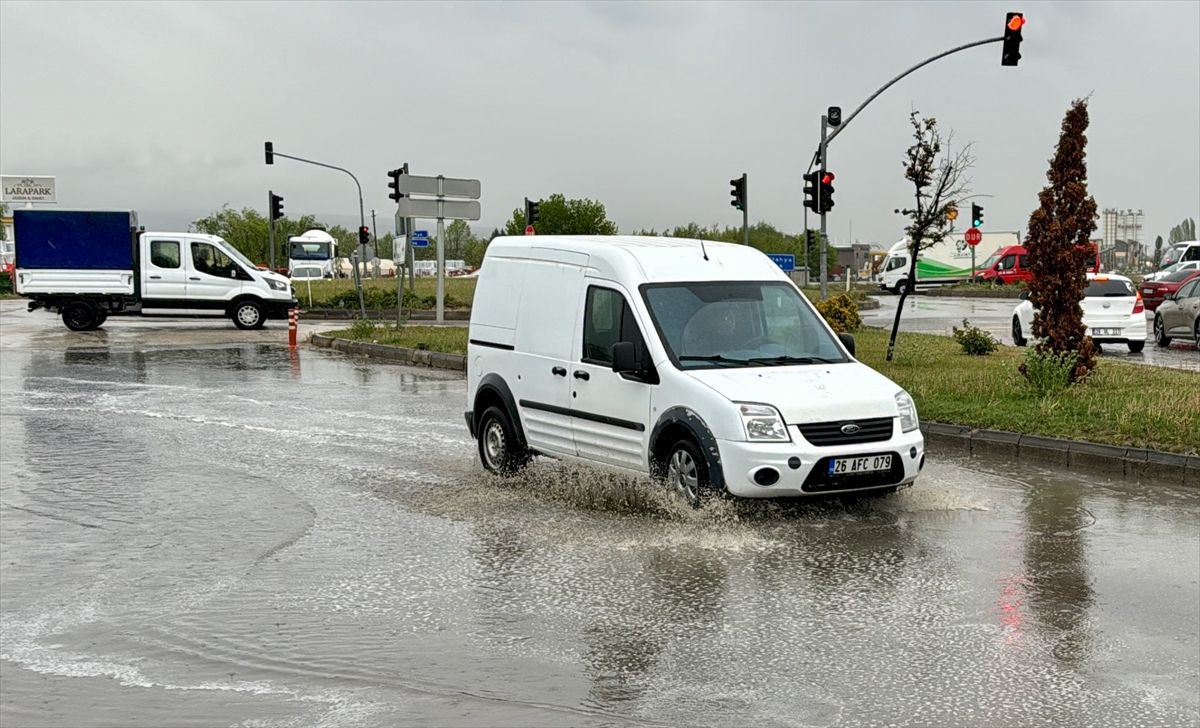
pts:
pixel 826 198
pixel 364 235
pixel 1011 52
pixel 270 148
pixel 531 212
pixel 276 206
pixel 976 215
pixel 810 191
pixel 738 192
pixel 394 182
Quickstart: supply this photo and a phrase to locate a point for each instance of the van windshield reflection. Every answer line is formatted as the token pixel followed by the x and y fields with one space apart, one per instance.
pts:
pixel 738 324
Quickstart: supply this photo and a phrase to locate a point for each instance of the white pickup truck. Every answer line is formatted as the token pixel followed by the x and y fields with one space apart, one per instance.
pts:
pixel 89 265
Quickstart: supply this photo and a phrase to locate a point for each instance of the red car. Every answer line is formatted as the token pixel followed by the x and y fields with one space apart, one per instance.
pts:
pixel 1153 292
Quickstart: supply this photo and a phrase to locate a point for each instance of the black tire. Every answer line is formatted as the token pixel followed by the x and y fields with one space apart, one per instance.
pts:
pixel 1135 347
pixel 997 281
pixel 1160 332
pixel 1017 334
pixel 685 472
pixel 248 314
pixel 499 449
pixel 899 287
pixel 100 319
pixel 80 316
pixel 1196 333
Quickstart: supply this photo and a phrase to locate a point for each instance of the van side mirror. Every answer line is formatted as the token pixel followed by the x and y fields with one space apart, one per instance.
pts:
pixel 1024 296
pixel 848 342
pixel 624 358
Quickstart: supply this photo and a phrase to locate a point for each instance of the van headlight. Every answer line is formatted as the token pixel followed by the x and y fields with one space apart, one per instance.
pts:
pixel 276 285
pixel 763 422
pixel 908 412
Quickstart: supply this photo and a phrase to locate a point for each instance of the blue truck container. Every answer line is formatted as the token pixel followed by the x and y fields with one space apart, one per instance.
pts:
pixel 75 239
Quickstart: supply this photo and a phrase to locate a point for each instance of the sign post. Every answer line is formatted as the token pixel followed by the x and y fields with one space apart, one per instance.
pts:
pixel 973 238
pixel 440 188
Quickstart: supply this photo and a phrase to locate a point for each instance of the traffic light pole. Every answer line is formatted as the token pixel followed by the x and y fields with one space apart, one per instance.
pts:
pixel 821 207
pixel 745 210
pixel 825 140
pixel 362 218
pixel 271 226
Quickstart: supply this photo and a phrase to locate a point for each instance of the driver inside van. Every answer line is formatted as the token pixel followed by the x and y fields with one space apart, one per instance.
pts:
pixel 713 330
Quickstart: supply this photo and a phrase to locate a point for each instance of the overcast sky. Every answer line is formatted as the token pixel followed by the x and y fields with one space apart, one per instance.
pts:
pixel 648 107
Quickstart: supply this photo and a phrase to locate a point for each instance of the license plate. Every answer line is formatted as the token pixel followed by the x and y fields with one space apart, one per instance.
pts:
pixel 1106 332
pixel 868 464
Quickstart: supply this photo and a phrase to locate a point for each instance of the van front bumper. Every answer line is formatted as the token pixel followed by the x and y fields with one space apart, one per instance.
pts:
pixel 277 309
pixel 803 468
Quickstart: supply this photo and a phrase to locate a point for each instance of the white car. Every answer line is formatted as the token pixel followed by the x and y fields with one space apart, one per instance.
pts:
pixel 696 362
pixel 1113 313
pixel 1182 265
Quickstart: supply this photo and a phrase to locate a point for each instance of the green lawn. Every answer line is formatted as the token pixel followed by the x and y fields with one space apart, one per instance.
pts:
pixel 381 293
pixel 446 339
pixel 1120 404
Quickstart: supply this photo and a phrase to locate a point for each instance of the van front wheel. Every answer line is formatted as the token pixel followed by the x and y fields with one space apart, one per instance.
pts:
pixel 249 315
pixel 499 450
pixel 686 473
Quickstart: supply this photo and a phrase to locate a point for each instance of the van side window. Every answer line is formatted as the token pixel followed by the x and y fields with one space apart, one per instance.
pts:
pixel 209 259
pixel 1023 262
pixel 164 253
pixel 1192 253
pixel 1007 262
pixel 607 319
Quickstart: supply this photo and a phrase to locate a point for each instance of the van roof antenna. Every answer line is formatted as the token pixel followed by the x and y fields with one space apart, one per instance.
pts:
pixel 702 250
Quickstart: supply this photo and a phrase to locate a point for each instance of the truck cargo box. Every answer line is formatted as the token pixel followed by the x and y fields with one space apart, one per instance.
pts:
pixel 69 251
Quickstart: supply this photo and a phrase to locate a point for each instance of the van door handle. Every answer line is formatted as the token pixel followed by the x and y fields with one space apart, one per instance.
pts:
pixel 156 278
pixel 580 374
pixel 559 371
pixel 193 278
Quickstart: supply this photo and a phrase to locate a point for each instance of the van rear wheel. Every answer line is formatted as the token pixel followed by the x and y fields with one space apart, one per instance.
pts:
pixel 81 316
pixel 499 450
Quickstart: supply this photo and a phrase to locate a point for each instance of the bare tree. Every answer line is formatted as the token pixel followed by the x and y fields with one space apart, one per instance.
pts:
pixel 940 184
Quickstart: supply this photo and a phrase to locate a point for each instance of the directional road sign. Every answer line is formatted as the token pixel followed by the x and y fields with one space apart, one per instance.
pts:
pixel 443 209
pixel 785 261
pixel 420 234
pixel 411 184
pixel 420 242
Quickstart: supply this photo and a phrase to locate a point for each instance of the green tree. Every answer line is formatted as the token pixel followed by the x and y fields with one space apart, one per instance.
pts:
pixel 1059 254
pixel 247 230
pixel 559 216
pixel 1184 231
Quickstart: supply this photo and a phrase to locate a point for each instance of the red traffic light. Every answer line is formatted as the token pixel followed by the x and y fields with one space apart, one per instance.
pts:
pixel 1015 23
pixel 827 179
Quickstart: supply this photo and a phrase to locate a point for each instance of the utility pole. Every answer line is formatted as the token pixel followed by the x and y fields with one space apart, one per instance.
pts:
pixel 821 207
pixel 375 240
pixel 271 225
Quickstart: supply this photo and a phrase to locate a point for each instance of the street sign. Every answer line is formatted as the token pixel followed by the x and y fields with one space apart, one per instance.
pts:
pixel 411 184
pixel 785 261
pixel 420 242
pixel 438 209
pixel 18 188
pixel 420 234
pixel 973 237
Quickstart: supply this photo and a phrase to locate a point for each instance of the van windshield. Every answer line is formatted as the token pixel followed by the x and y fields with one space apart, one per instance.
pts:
pixel 236 254
pixel 738 324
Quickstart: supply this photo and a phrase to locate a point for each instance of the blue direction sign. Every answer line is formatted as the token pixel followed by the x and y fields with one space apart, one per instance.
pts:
pixel 420 234
pixel 785 261
pixel 420 239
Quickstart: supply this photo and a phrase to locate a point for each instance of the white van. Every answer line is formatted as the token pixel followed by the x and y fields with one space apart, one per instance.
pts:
pixel 700 363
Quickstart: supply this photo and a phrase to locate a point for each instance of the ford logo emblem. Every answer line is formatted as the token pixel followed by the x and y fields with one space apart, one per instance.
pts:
pixel 850 429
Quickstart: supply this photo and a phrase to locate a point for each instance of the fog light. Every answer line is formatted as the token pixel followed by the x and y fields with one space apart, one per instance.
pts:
pixel 766 476
pixel 794 463
pixel 912 452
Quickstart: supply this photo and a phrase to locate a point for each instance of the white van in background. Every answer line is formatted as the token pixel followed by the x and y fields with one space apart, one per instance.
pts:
pixel 697 362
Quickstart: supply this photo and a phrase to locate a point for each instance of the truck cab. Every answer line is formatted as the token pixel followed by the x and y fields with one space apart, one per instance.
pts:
pixel 1010 264
pixel 89 265
pixel 314 249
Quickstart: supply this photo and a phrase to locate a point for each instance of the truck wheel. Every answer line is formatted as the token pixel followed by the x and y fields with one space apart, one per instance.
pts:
pixel 248 315
pixel 896 289
pixel 101 317
pixel 80 316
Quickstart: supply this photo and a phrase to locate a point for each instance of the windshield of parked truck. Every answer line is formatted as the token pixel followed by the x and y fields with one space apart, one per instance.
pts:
pixel 738 324
pixel 311 251
pixel 991 261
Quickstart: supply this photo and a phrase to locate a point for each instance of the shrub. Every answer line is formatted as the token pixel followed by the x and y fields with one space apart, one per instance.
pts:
pixel 974 340
pixel 841 312
pixel 1046 372
pixel 362 329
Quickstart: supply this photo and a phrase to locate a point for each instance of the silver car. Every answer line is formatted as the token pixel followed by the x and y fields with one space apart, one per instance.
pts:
pixel 1178 316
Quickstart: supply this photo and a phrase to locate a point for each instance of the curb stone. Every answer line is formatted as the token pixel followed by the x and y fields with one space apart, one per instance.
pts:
pixel 403 355
pixel 1130 463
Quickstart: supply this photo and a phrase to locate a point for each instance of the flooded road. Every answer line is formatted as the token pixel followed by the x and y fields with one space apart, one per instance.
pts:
pixel 197 528
pixel 939 315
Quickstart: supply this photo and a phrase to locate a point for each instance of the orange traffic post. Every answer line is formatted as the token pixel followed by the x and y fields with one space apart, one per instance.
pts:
pixel 292 314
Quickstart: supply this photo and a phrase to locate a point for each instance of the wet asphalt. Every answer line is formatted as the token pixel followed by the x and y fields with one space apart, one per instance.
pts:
pixel 198 527
pixel 940 314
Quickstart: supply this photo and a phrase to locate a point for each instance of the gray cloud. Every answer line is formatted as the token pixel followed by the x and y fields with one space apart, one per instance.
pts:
pixel 649 107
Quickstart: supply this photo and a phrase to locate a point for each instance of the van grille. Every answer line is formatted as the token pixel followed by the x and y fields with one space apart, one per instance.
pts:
pixel 819 479
pixel 829 434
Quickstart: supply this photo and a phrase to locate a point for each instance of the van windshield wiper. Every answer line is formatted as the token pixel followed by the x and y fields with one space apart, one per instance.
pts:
pixel 717 358
pixel 786 359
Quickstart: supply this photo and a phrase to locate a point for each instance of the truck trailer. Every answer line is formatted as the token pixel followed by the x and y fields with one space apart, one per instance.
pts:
pixel 946 262
pixel 89 265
